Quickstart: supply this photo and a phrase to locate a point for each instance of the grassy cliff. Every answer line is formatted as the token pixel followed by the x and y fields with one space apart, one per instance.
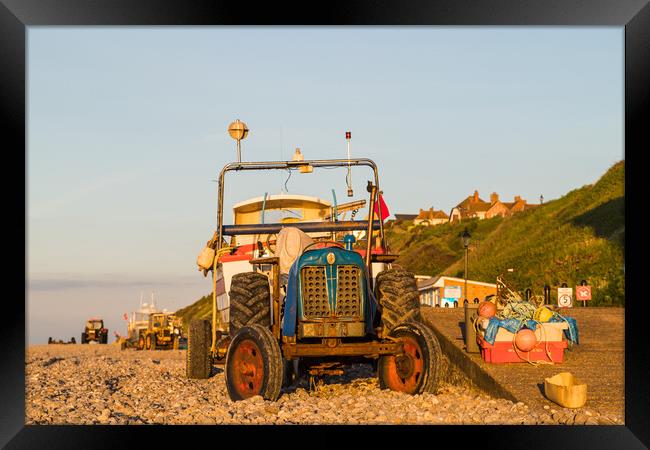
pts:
pixel 578 236
pixel 200 309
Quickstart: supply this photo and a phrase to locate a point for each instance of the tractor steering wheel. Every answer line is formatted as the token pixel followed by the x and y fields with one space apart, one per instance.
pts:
pixel 338 244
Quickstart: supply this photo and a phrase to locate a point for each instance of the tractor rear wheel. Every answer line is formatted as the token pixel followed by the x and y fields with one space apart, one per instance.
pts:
pixel 198 361
pixel 141 343
pixel 154 341
pixel 83 338
pixel 417 370
pixel 147 344
pixel 398 296
pixel 254 364
pixel 250 301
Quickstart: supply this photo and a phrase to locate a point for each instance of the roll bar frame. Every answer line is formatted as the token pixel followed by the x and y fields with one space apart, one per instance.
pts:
pixel 288 165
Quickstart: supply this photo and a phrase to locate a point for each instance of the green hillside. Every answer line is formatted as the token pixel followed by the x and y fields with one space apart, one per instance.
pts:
pixel 429 250
pixel 579 236
pixel 201 309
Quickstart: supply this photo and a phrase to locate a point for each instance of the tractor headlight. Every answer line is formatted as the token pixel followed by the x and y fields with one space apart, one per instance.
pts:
pixel 176 330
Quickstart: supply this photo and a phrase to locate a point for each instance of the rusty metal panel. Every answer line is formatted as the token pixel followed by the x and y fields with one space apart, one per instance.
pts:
pixel 331 329
pixel 314 292
pixel 348 291
pixel 370 349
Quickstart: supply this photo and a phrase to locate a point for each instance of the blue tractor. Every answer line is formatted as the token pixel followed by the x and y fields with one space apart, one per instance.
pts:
pixel 310 304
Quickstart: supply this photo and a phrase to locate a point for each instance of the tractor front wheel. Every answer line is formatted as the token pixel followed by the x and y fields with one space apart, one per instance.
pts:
pixel 198 362
pixel 254 364
pixel 148 342
pixel 417 370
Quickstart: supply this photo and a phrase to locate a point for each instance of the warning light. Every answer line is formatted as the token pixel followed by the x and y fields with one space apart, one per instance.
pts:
pixel 348 135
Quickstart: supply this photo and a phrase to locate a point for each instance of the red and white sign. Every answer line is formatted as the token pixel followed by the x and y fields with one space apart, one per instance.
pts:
pixel 583 293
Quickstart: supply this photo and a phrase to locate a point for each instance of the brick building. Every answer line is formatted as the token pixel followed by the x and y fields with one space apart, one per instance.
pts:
pixel 432 290
pixel 475 207
pixel 430 217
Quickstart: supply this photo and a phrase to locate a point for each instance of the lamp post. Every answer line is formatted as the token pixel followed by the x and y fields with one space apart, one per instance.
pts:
pixel 465 237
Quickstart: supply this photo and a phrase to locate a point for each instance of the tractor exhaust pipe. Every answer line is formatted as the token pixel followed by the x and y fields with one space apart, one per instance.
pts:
pixel 371 215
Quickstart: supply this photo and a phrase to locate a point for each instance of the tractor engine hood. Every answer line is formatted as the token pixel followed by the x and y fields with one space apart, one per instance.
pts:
pixel 329 275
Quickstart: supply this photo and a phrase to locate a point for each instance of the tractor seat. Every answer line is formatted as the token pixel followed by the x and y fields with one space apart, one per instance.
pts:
pixel 290 243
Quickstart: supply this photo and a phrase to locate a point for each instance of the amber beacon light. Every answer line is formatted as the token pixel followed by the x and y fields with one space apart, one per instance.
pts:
pixel 238 131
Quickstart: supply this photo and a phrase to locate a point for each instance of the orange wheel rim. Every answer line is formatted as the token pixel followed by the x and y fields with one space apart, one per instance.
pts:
pixel 405 372
pixel 247 369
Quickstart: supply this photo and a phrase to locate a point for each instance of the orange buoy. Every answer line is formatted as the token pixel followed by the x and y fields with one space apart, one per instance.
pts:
pixel 525 340
pixel 487 309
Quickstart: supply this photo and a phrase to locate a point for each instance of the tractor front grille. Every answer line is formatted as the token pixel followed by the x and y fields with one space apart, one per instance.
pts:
pixel 314 292
pixel 348 292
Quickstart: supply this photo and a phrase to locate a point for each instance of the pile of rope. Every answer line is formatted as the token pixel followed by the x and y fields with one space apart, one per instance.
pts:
pixel 524 311
pixel 520 310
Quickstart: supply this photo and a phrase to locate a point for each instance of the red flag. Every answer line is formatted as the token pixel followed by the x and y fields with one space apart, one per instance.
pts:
pixel 384 208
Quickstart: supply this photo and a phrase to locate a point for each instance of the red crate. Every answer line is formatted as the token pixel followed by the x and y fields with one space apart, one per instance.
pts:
pixel 504 352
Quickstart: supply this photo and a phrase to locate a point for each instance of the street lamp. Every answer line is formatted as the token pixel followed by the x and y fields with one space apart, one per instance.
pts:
pixel 465 237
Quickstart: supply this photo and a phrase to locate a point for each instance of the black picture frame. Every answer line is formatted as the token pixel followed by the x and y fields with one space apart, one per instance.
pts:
pixel 17 15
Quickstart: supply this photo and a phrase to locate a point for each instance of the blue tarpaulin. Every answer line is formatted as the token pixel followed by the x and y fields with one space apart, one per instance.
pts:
pixel 513 325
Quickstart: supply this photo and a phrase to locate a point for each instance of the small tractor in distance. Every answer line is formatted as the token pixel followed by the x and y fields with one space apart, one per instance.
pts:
pixel 311 304
pixel 94 332
pixel 164 331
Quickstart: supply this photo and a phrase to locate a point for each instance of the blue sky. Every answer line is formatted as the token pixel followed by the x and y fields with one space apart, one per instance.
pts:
pixel 127 133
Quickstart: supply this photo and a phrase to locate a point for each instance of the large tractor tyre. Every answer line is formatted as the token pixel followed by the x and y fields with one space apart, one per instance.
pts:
pixel 83 338
pixel 147 341
pixel 417 370
pixel 250 301
pixel 49 340
pixel 104 339
pixel 398 296
pixel 254 364
pixel 198 361
pixel 154 341
pixel 141 343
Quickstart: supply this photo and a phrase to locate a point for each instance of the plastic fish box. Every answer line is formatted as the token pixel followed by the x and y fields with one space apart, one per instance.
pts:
pixel 504 352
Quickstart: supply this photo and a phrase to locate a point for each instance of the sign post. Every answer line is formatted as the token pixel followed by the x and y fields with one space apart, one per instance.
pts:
pixel 565 297
pixel 583 293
